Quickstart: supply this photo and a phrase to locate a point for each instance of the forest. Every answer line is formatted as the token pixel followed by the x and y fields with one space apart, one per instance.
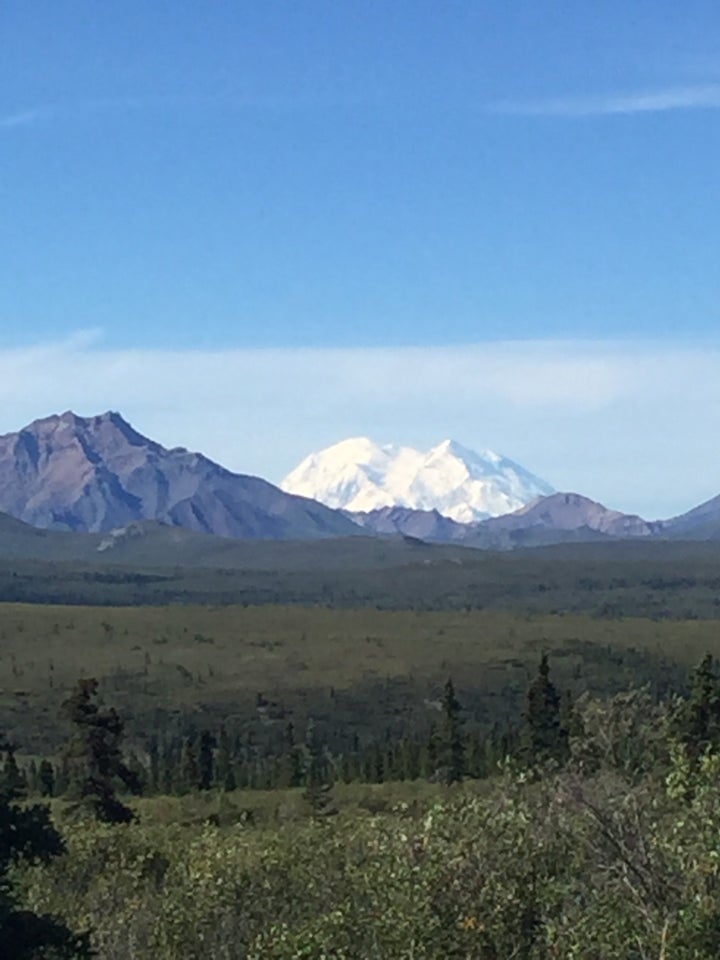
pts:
pixel 518 779
pixel 593 833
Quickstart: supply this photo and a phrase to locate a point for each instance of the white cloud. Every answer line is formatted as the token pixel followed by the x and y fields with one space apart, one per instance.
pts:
pixel 632 424
pixel 702 96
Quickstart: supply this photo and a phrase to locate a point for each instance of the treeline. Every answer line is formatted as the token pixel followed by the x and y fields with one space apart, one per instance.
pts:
pixel 94 765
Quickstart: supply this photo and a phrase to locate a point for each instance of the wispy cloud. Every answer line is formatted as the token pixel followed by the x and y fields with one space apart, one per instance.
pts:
pixel 22 118
pixel 89 108
pixel 697 97
pixel 631 424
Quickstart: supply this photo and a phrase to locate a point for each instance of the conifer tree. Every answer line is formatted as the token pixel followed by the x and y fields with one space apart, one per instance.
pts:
pixel 291 774
pixel 61 776
pixel 46 779
pixel 450 762
pixel 189 769
pixel 318 791
pixel 32 778
pixel 695 722
pixel 410 759
pixel 14 783
pixel 377 763
pixel 168 772
pixel 153 773
pixel 206 760
pixel 27 835
pixel 224 773
pixel 95 764
pixel 544 736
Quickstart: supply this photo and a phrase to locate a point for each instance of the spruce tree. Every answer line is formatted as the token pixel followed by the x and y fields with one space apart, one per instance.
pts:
pixel 224 773
pixel 28 836
pixel 32 778
pixel 46 778
pixel 95 765
pixel 318 790
pixel 450 763
pixel 153 776
pixel 292 767
pixel 206 760
pixel 189 769
pixel 695 722
pixel 544 736
pixel 14 783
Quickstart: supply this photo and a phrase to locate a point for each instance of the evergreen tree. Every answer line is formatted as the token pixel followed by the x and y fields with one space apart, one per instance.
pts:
pixel 138 772
pixel 377 763
pixel 294 760
pixel 95 764
pixel 695 722
pixel 477 766
pixel 153 775
pixel 168 772
pixel 189 768
pixel 410 759
pixel 544 736
pixel 32 777
pixel 224 773
pixel 61 777
pixel 46 779
pixel 14 784
pixel 206 760
pixel 450 764
pixel 318 790
pixel 27 835
pixel 428 754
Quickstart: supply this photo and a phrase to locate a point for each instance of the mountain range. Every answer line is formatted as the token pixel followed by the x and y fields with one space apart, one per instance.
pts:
pixel 64 477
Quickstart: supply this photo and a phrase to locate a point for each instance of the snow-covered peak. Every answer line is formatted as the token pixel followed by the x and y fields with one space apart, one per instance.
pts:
pixel 360 475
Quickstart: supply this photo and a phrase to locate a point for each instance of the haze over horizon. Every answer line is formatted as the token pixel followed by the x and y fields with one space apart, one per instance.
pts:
pixel 258 230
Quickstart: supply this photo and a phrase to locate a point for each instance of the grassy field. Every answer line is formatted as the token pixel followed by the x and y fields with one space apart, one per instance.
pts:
pixel 365 670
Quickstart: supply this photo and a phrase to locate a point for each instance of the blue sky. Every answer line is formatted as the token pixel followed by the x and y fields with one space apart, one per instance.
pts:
pixel 283 175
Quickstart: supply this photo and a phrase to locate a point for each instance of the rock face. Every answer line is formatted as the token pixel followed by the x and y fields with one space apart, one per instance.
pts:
pixel 97 474
pixel 361 476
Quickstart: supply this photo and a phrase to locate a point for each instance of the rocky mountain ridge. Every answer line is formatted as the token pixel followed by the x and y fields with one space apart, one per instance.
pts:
pixel 98 474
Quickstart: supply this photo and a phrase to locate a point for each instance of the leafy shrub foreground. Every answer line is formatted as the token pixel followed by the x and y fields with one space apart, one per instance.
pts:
pixel 581 865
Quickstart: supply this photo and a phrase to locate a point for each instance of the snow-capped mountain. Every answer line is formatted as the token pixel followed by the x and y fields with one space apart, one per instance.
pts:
pixel 360 476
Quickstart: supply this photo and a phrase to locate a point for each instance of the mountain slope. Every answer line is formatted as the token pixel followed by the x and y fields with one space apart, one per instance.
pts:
pixel 423 524
pixel 97 474
pixel 559 518
pixel 361 476
pixel 700 523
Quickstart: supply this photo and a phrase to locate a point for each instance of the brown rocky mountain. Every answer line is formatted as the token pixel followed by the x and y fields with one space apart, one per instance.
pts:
pixel 561 517
pixel 97 474
pixel 558 518
pixel 423 524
